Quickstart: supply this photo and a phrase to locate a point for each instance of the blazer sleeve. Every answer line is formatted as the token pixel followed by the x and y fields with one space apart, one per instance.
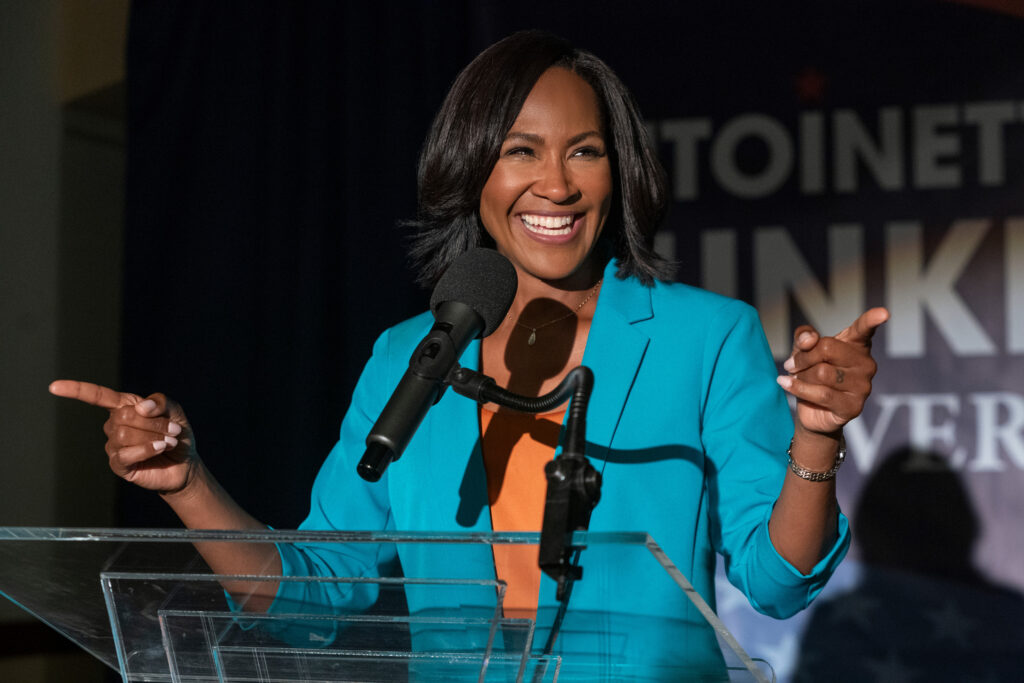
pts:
pixel 342 500
pixel 746 426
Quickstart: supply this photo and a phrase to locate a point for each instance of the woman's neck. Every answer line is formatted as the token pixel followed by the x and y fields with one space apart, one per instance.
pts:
pixel 544 335
pixel 556 296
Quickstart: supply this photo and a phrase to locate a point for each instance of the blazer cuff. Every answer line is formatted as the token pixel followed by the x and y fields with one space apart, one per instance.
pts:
pixel 788 580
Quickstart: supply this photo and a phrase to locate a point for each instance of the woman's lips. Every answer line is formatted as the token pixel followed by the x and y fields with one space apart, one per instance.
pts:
pixel 550 228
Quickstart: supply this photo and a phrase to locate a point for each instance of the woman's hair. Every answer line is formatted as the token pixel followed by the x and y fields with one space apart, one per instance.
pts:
pixel 465 141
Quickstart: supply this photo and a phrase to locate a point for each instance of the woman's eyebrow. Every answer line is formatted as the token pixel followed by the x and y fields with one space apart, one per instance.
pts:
pixel 527 137
pixel 537 139
pixel 575 139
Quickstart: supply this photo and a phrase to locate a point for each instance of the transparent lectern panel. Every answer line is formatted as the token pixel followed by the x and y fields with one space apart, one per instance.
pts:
pixel 251 648
pixel 289 666
pixel 54 574
pixel 195 613
pixel 632 615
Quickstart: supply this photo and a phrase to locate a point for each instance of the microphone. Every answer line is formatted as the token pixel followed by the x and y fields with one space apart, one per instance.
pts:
pixel 470 300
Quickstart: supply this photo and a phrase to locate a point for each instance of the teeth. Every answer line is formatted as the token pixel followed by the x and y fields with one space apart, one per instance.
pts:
pixel 548 225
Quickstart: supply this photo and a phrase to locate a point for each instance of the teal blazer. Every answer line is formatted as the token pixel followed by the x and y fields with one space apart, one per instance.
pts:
pixel 686 425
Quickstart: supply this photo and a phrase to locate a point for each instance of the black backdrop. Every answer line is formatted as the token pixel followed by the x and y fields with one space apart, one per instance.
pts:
pixel 272 147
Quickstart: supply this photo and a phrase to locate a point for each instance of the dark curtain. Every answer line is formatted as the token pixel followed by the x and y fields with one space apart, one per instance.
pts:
pixel 272 149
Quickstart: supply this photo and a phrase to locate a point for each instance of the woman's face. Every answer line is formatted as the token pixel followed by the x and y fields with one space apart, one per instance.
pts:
pixel 548 196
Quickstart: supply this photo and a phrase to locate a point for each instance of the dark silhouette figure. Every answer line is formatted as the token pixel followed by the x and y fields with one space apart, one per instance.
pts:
pixel 921 612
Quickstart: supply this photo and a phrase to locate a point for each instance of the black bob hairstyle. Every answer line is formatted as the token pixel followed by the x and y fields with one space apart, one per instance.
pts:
pixel 466 138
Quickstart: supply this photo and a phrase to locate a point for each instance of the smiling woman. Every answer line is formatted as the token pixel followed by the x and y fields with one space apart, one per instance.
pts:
pixel 540 152
pixel 548 196
pixel 545 205
pixel 477 124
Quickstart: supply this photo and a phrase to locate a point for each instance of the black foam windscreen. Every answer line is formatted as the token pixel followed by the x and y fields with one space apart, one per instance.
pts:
pixel 482 279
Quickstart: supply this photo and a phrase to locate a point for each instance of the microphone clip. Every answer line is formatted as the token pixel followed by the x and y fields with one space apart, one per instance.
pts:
pixel 574 485
pixel 434 356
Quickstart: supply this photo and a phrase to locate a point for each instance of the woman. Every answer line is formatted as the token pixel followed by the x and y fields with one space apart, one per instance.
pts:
pixel 540 152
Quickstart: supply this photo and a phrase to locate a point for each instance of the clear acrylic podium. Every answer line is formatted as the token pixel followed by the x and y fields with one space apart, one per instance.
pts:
pixel 145 603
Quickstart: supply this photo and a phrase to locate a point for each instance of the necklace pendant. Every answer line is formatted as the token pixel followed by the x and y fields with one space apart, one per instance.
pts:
pixel 533 338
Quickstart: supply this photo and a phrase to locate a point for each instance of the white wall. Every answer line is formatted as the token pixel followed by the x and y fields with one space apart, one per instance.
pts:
pixel 61 198
pixel 30 134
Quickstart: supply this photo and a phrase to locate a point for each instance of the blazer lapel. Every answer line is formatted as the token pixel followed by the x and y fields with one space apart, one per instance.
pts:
pixel 615 351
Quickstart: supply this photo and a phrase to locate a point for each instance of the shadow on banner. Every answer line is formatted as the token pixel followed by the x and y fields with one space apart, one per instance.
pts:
pixel 921 609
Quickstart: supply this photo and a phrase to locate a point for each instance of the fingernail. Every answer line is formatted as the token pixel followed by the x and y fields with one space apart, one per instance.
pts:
pixel 785 381
pixel 159 445
pixel 145 407
pixel 790 364
pixel 805 337
pixel 170 441
pixel 173 428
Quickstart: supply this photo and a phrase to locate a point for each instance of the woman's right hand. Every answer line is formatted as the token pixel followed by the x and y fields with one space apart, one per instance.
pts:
pixel 149 441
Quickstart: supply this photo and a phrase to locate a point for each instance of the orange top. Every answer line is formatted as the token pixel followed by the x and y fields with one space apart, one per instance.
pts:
pixel 516 446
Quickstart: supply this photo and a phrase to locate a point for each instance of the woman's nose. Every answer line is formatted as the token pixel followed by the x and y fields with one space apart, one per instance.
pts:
pixel 555 183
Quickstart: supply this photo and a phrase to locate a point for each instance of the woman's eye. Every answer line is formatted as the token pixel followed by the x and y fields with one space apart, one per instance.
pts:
pixel 589 152
pixel 518 151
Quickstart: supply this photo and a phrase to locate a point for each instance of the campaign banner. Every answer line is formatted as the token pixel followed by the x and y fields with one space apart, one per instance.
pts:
pixel 881 166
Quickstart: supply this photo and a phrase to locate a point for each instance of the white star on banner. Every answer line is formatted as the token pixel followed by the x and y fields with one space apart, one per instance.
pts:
pixel 890 670
pixel 950 623
pixel 857 609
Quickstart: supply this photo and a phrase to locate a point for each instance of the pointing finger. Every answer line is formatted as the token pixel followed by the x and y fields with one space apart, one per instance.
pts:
pixel 90 393
pixel 863 328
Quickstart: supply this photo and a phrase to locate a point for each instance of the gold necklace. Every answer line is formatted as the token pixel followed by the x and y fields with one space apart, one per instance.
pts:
pixel 533 330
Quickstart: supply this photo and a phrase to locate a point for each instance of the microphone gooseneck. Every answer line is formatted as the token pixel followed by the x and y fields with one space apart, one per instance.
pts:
pixel 574 485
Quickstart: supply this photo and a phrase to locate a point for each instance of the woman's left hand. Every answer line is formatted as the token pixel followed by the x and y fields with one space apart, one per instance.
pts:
pixel 831 376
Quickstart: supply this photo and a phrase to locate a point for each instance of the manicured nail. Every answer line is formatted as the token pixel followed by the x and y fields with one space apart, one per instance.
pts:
pixel 804 338
pixel 170 441
pixel 173 428
pixel 790 364
pixel 145 407
pixel 785 381
pixel 159 445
